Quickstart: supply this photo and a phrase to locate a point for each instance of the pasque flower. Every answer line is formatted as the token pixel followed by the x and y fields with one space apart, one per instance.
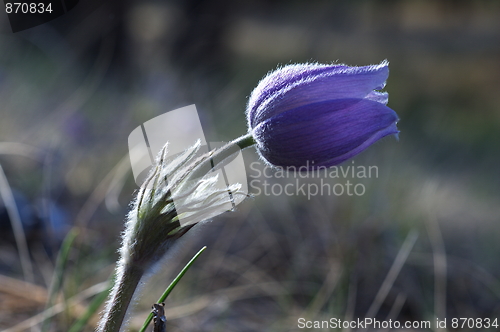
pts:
pixel 319 115
pixel 300 115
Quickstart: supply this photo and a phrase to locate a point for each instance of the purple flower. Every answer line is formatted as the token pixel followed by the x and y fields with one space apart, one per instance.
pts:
pixel 319 115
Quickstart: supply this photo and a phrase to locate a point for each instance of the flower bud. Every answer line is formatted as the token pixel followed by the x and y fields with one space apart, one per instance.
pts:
pixel 319 115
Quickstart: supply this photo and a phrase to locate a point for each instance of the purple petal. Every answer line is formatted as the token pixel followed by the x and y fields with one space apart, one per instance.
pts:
pixel 324 134
pixel 316 85
pixel 283 77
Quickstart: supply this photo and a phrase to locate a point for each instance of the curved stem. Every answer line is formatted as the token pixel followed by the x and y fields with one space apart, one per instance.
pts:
pixel 217 156
pixel 129 275
pixel 121 295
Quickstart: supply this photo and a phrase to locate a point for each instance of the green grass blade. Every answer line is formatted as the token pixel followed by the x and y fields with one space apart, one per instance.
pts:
pixel 57 281
pixel 171 287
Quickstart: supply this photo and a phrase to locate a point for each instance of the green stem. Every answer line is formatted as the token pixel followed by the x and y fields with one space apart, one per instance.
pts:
pixel 217 156
pixel 244 141
pixel 121 295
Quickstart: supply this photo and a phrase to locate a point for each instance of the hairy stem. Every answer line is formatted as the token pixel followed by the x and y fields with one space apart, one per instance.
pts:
pixel 127 279
pixel 128 273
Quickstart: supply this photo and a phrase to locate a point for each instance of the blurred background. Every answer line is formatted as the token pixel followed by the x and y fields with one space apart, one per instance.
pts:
pixel 421 242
